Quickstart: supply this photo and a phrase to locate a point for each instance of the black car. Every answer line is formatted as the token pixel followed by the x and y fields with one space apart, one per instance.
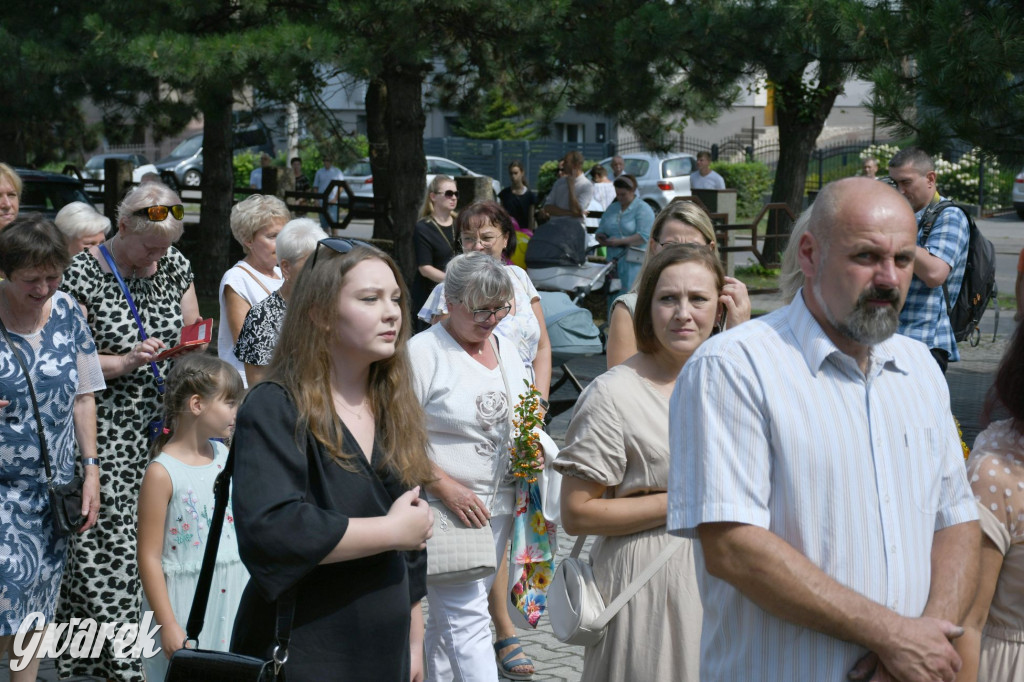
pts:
pixel 47 193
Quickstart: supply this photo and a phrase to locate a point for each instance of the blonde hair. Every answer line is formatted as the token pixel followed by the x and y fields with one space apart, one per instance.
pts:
pixel 686 212
pixel 79 219
pixel 427 209
pixel 302 364
pixel 7 173
pixel 143 196
pixel 253 214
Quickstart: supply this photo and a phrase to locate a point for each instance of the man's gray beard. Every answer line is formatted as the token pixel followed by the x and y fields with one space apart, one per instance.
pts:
pixel 866 325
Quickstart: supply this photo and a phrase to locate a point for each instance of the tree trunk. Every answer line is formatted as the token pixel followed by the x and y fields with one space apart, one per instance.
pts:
pixel 407 171
pixel 801 117
pixel 377 136
pixel 215 256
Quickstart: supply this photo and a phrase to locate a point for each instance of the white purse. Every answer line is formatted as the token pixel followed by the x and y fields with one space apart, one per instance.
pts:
pixel 575 605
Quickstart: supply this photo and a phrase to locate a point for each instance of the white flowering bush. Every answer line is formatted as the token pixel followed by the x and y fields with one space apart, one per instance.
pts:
pixel 959 181
pixel 882 153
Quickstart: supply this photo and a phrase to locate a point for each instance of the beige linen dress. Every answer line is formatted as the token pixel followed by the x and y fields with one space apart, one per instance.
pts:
pixel 619 437
pixel 996 471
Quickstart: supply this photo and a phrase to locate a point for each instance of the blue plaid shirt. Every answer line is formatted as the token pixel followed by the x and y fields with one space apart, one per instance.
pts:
pixel 924 315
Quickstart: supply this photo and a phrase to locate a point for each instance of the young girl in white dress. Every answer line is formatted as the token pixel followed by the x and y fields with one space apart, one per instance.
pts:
pixel 176 508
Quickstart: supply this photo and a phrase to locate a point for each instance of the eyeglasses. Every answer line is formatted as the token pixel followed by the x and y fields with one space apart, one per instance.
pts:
pixel 469 242
pixel 339 245
pixel 482 315
pixel 449 194
pixel 159 213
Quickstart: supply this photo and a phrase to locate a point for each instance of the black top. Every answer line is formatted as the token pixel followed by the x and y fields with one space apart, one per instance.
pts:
pixel 435 245
pixel 519 206
pixel 291 505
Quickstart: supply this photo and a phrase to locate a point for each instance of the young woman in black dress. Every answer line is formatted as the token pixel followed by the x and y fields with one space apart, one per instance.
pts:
pixel 330 452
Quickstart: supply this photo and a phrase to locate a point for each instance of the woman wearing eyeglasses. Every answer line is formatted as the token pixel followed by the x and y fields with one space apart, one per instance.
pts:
pixel 434 238
pixel 336 515
pixel 460 376
pixel 681 222
pixel 101 581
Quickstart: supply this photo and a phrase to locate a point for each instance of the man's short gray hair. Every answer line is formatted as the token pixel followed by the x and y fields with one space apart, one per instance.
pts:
pixel 145 195
pixel 297 239
pixel 79 219
pixel 254 213
pixel 477 281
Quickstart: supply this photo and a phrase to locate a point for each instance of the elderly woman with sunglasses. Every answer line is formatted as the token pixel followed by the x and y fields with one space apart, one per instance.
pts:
pixel 101 581
pixel 468 380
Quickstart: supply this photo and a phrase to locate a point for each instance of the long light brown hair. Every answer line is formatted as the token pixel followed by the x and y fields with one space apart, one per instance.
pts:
pixel 302 364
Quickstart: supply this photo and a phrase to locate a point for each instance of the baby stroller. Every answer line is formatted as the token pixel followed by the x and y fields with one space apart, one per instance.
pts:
pixel 556 263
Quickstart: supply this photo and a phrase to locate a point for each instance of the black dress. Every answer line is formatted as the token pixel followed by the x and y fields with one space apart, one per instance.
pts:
pixel 519 206
pixel 435 245
pixel 291 506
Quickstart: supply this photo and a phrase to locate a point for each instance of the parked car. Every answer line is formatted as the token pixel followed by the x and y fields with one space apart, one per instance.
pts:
pixel 360 177
pixel 1018 194
pixel 47 193
pixel 183 167
pixel 93 168
pixel 660 178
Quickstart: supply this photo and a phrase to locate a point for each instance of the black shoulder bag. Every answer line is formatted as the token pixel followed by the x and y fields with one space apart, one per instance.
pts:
pixel 203 665
pixel 66 499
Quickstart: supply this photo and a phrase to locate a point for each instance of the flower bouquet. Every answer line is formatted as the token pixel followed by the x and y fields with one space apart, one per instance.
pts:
pixel 531 563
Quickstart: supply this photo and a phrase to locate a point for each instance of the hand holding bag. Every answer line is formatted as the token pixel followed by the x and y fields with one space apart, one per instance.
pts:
pixel 204 665
pixel 65 499
pixel 575 605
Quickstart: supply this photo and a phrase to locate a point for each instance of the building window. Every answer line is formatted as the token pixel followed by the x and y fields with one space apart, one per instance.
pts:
pixel 572 132
pixel 600 132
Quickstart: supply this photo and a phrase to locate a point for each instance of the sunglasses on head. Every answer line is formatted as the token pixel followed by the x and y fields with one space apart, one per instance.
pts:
pixel 449 194
pixel 339 245
pixel 158 213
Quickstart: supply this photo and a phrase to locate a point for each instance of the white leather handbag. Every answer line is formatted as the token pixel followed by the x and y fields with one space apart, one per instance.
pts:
pixel 575 605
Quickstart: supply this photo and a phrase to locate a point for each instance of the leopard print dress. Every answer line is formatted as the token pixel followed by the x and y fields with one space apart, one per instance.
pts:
pixel 101 580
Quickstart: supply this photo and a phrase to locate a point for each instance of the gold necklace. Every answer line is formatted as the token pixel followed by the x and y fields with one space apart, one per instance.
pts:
pixel 357 413
pixel 114 256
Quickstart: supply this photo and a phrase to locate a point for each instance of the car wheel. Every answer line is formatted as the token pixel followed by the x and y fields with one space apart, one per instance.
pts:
pixel 653 205
pixel 193 178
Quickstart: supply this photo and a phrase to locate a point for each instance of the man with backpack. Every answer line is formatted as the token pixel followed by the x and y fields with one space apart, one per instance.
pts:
pixel 940 259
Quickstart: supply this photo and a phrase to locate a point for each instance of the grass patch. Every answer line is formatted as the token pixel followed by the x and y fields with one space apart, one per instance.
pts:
pixel 1006 301
pixel 757 276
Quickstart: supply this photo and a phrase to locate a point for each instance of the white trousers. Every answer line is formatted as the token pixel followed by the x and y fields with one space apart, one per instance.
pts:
pixel 458 631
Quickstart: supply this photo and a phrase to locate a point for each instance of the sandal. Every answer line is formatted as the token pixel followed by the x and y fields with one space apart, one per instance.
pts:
pixel 509 663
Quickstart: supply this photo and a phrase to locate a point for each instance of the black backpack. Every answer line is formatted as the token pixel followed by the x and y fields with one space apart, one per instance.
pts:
pixel 979 285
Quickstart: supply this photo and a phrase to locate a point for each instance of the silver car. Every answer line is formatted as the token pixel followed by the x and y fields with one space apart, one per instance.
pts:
pixel 360 177
pixel 660 178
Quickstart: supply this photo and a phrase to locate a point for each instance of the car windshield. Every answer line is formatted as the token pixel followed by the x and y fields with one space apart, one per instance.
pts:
pixel 358 168
pixel 673 168
pixel 95 162
pixel 187 148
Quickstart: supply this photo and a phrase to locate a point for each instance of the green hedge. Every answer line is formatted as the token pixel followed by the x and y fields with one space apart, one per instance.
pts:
pixel 750 180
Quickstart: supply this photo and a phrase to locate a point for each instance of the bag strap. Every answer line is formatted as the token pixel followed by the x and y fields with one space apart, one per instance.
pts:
pixel 254 277
pixel 633 587
pixel 511 422
pixel 135 312
pixel 931 214
pixel 197 615
pixel 44 452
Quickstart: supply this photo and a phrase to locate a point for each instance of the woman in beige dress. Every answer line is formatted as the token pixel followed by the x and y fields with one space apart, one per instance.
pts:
pixel 615 466
pixel 992 647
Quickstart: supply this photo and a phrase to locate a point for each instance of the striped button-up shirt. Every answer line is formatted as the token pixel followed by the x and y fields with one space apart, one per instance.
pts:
pixel 771 425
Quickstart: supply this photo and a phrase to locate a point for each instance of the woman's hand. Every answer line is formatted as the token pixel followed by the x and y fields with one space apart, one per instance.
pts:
pixel 736 301
pixel 463 502
pixel 413 521
pixel 171 638
pixel 90 497
pixel 4 403
pixel 143 353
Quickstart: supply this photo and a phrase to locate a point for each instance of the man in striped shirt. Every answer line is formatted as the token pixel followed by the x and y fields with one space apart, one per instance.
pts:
pixel 815 457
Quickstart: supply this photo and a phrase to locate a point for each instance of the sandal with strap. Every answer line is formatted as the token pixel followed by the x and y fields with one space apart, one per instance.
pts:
pixel 509 663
